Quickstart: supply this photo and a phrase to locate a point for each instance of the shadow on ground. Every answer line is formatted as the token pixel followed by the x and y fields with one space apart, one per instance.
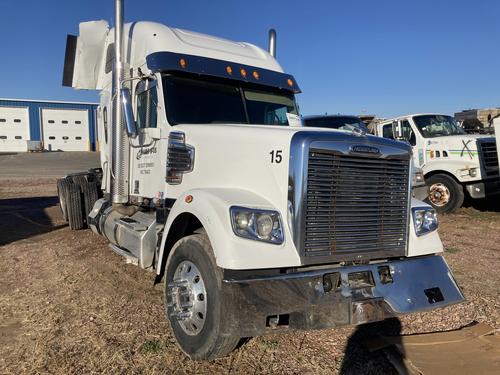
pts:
pixel 23 218
pixel 358 360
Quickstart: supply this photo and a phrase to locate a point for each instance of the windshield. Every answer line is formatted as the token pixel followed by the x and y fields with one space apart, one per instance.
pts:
pixel 431 126
pixel 337 122
pixel 207 101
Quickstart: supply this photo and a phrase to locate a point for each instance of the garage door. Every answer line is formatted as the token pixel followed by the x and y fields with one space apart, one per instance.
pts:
pixel 65 129
pixel 14 129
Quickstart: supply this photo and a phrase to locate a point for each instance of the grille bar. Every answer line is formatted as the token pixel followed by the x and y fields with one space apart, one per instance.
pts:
pixel 489 157
pixel 355 205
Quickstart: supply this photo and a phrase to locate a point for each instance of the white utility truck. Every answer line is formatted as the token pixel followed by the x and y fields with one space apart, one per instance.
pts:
pixel 256 225
pixel 453 161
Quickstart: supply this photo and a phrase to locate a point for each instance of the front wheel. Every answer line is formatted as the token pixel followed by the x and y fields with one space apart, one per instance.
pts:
pixel 445 194
pixel 193 299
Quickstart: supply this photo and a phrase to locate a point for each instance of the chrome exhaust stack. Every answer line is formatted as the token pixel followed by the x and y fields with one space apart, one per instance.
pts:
pixel 119 138
pixel 272 43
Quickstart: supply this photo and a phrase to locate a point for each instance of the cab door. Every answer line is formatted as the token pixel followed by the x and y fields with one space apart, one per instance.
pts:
pixel 147 172
pixel 419 145
pixel 409 134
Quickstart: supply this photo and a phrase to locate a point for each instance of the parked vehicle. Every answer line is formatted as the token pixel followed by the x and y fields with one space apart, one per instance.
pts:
pixel 354 123
pixel 340 122
pixel 205 182
pixel 453 162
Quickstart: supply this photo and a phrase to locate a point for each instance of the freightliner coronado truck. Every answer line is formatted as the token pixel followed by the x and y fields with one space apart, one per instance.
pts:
pixel 256 226
pixel 454 163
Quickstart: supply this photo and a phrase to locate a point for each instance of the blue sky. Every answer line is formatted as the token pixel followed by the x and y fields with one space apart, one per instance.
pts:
pixel 381 57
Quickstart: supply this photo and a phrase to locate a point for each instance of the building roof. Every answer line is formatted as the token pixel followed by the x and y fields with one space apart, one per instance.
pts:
pixel 45 101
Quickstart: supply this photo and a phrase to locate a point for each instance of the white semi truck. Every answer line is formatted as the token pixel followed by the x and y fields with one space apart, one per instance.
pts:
pixel 454 162
pixel 256 226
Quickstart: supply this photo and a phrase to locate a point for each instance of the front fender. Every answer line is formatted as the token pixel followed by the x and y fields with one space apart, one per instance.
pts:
pixel 429 243
pixel 211 208
pixel 452 167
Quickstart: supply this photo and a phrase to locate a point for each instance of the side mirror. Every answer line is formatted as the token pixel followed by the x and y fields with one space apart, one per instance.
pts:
pixel 397 129
pixel 128 112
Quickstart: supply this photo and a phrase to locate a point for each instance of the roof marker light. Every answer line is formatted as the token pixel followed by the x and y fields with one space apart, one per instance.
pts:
pixel 243 72
pixel 256 74
pixel 290 82
pixel 182 63
pixel 229 70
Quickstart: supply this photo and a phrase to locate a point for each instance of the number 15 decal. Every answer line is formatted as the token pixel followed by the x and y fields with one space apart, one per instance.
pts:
pixel 276 156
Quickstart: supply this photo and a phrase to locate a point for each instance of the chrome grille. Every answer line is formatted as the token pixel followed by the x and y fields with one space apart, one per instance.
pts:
pixel 489 157
pixel 356 207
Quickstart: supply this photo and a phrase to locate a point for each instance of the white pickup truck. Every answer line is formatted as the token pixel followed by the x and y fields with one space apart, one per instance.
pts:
pixel 454 163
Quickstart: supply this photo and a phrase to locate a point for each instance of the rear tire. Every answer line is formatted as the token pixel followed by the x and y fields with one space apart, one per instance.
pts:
pixel 445 194
pixel 73 206
pixel 89 193
pixel 199 338
pixel 90 196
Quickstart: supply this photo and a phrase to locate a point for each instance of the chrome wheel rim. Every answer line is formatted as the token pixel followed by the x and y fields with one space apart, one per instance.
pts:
pixel 187 298
pixel 439 194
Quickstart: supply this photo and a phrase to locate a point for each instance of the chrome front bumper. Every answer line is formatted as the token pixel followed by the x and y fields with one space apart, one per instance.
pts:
pixel 300 300
pixel 484 189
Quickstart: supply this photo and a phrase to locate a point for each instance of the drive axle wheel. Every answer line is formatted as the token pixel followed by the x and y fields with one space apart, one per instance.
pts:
pixel 89 192
pixel 69 198
pixel 193 300
pixel 445 194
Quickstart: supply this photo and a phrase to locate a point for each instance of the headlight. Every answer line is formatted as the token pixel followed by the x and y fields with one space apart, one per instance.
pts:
pixel 424 219
pixel 417 177
pixel 259 225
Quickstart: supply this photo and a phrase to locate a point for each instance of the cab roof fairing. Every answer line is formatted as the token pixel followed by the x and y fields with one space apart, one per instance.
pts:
pixel 169 61
pixel 86 60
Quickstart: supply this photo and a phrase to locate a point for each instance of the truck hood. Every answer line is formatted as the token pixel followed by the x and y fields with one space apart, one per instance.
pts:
pixel 250 157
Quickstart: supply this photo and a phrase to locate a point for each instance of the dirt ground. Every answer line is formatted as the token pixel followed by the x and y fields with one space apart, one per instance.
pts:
pixel 70 305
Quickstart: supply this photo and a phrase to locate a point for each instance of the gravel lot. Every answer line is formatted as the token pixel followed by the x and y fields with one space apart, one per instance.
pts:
pixel 70 305
pixel 46 164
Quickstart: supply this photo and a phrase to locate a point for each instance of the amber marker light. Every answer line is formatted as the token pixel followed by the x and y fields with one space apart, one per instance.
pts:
pixel 229 70
pixel 243 73
pixel 188 199
pixel 256 74
pixel 182 63
pixel 290 82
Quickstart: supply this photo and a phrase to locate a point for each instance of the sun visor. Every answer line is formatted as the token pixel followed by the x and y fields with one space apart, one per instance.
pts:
pixel 84 58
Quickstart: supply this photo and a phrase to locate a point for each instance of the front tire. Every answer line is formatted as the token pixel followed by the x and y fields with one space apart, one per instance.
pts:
pixel 193 300
pixel 445 194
